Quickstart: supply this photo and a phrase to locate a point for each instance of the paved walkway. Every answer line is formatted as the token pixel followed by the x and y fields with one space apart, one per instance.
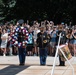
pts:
pixel 9 66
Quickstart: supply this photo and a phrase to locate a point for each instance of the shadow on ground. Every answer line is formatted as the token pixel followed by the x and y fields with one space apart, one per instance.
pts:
pixel 12 70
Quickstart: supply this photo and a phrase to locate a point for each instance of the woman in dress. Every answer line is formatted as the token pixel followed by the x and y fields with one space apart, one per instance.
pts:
pixel 4 38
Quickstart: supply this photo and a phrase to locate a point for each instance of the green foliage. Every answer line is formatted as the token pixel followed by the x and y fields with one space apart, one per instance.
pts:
pixel 56 10
pixel 6 7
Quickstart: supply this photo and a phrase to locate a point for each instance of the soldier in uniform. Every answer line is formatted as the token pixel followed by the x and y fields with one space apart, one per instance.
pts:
pixel 42 42
pixel 20 38
pixel 62 41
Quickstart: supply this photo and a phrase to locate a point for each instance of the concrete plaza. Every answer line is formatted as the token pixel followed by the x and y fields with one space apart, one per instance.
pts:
pixel 9 65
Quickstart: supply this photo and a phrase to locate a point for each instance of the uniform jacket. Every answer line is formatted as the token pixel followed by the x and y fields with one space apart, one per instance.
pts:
pixel 42 40
pixel 63 37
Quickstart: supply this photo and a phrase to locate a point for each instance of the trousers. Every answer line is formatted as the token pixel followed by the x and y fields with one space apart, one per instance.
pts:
pixel 43 55
pixel 22 55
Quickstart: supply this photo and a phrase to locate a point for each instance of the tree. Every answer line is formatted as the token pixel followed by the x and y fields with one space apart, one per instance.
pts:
pixel 6 7
pixel 56 10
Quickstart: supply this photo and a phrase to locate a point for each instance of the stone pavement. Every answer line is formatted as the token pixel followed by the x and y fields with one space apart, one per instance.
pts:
pixel 9 66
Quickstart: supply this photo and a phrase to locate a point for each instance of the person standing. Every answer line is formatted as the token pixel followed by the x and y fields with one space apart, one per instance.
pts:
pixel 4 38
pixel 30 44
pixel 0 38
pixel 70 39
pixel 42 42
pixel 36 30
pixel 53 41
pixel 0 35
pixel 74 42
pixel 20 38
pixel 62 41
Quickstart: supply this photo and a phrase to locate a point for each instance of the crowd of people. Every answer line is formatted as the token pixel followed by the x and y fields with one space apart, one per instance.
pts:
pixel 36 41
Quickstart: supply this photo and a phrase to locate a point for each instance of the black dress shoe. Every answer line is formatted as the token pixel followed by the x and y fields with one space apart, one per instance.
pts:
pixel 42 64
pixel 61 65
pixel 21 64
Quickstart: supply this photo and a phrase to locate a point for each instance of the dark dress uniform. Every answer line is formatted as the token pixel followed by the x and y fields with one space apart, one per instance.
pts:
pixel 62 41
pixel 42 42
pixel 20 39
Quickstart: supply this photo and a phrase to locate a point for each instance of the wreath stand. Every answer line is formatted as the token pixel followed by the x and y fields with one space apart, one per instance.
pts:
pixel 54 64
